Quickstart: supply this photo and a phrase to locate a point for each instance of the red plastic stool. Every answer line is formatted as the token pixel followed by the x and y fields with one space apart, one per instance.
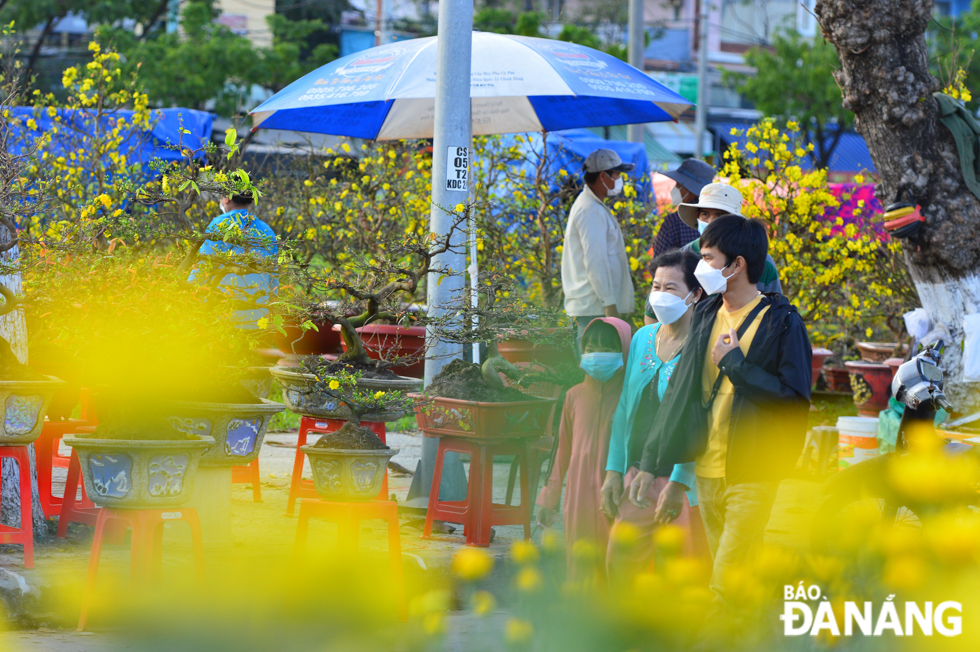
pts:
pixel 249 474
pixel 348 517
pixel 48 458
pixel 146 549
pixel 478 513
pixel 73 510
pixel 23 535
pixel 300 488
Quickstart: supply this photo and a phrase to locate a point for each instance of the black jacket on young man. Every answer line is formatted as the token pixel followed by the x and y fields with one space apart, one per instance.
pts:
pixel 770 407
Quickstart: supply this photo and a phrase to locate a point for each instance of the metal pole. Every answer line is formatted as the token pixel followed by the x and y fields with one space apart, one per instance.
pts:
pixel 474 269
pixel 636 47
pixel 379 23
pixel 701 115
pixel 451 155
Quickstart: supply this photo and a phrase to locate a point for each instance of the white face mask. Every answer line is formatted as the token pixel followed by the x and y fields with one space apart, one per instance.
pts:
pixel 675 196
pixel 702 225
pixel 617 187
pixel 668 307
pixel 712 280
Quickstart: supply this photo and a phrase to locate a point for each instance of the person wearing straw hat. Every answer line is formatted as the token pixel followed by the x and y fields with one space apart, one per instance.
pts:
pixel 595 270
pixel 690 178
pixel 715 200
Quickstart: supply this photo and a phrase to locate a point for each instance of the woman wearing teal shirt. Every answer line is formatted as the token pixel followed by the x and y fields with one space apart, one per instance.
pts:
pixel 654 352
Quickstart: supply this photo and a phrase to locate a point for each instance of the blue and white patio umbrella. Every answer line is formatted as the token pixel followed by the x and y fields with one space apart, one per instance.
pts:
pixel 518 84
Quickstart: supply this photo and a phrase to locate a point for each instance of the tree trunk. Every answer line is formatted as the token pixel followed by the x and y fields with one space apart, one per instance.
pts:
pixel 886 82
pixel 13 328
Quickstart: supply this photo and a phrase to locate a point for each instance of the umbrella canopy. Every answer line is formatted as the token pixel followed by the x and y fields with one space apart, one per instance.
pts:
pixel 517 84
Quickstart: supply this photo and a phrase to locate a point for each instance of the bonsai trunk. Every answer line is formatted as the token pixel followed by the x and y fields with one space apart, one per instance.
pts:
pixel 886 82
pixel 348 331
pixel 13 328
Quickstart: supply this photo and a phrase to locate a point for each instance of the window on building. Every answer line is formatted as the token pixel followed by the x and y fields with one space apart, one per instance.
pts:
pixel 806 20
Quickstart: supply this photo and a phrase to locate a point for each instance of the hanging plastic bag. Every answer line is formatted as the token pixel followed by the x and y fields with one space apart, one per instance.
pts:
pixel 917 323
pixel 971 347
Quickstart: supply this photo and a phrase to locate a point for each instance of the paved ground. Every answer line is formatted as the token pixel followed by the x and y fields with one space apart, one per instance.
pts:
pixel 262 534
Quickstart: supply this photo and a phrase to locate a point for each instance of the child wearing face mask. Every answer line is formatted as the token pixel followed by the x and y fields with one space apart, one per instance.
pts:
pixel 654 353
pixel 583 445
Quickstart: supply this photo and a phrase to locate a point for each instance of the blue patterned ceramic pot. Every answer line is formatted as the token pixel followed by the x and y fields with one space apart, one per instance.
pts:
pixel 138 474
pixel 346 475
pixel 23 404
pixel 238 429
pixel 301 395
pixel 257 380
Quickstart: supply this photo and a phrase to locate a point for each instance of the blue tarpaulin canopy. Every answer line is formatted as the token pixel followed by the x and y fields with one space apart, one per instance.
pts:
pixel 142 148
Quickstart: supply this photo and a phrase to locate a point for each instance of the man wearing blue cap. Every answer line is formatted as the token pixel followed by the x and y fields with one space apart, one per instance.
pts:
pixel 691 177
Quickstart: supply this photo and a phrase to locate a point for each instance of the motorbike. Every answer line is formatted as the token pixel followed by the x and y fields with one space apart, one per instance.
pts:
pixel 870 486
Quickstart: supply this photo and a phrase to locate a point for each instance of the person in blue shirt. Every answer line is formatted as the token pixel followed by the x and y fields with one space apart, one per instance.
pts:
pixel 654 353
pixel 257 287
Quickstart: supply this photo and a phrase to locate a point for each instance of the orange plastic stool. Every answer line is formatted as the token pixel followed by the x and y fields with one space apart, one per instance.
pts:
pixel 73 510
pixel 146 549
pixel 300 488
pixel 24 535
pixel 478 513
pixel 48 459
pixel 348 517
pixel 249 475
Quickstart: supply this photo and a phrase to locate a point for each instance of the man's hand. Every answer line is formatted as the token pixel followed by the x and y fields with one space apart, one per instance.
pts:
pixel 726 342
pixel 639 488
pixel 546 517
pixel 612 311
pixel 611 493
pixel 670 503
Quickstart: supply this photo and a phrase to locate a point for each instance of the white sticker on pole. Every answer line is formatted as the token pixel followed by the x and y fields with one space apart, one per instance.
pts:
pixel 457 169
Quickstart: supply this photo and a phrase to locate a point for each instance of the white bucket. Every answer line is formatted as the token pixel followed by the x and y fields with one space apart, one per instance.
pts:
pixel 857 440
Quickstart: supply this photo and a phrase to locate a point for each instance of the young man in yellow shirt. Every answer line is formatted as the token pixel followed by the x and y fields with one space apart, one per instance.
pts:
pixel 738 401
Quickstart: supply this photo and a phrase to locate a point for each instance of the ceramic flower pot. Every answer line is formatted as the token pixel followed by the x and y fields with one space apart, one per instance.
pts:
pixel 348 475
pixel 517 349
pixel 23 404
pixel 871 384
pixel 138 474
pixel 301 395
pixel 819 356
pixel 878 351
pixel 388 342
pixel 296 341
pixel 838 379
pixel 477 420
pixel 894 364
pixel 237 429
pixel 258 381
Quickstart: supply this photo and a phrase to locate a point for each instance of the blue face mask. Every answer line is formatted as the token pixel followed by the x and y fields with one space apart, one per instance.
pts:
pixel 702 225
pixel 601 366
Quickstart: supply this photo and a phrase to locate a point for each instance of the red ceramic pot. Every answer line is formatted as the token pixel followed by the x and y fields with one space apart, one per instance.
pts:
pixel 894 364
pixel 819 356
pixel 838 379
pixel 517 349
pixel 878 351
pixel 871 384
pixel 387 342
pixel 476 420
pixel 311 342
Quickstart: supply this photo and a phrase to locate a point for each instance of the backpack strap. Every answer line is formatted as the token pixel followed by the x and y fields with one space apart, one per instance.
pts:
pixel 741 331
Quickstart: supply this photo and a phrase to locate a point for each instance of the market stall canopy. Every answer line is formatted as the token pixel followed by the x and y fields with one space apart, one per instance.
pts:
pixel 518 84
pixel 190 128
